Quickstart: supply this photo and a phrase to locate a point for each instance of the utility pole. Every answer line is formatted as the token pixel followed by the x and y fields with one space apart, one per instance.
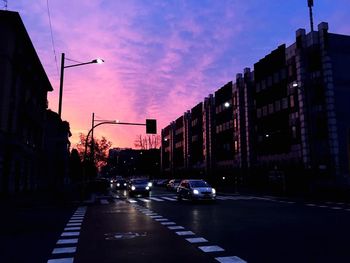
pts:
pixel 92 137
pixel 310 4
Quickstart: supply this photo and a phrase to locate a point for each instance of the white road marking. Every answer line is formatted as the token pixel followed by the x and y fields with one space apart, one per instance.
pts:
pixel 62 250
pixel 70 234
pixel 168 223
pixel 310 205
pixel 222 198
pixel 155 216
pixel 323 206
pixel 74 224
pixel 336 208
pixel 175 227
pixel 144 200
pixel 75 221
pixel 169 198
pixel 161 219
pixel 156 199
pixel 61 260
pixel 104 202
pixel 67 241
pixel 233 259
pixel 211 248
pixel 196 240
pixel 184 233
pixel 77 217
pixel 132 201
pixel 72 228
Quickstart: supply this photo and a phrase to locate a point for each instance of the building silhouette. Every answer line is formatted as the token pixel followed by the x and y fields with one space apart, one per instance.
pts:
pixel 24 119
pixel 284 125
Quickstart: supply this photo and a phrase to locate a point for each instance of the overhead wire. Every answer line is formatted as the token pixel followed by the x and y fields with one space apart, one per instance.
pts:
pixel 52 39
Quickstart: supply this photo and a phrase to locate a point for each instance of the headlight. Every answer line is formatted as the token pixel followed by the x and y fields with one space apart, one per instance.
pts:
pixel 149 184
pixel 195 191
pixel 213 191
pixel 118 184
pixel 124 184
pixel 147 187
pixel 133 187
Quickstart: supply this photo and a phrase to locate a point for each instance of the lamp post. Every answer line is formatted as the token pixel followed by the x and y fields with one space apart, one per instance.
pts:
pixel 98 61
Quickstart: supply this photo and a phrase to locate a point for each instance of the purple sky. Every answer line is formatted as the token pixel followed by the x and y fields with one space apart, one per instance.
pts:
pixel 162 57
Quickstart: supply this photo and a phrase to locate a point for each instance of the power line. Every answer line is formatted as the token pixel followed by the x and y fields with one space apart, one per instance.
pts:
pixel 52 41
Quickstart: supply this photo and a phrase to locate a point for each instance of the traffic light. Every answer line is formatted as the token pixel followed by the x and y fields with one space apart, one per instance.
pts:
pixel 151 126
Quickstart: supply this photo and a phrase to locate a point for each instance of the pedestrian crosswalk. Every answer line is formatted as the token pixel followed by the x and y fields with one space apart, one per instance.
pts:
pixel 104 200
pixel 173 198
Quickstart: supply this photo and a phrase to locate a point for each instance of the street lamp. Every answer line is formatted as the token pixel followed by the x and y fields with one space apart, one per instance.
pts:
pixel 95 61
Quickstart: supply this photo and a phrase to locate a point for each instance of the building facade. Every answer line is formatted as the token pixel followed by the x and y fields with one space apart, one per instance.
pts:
pixel 285 121
pixel 23 103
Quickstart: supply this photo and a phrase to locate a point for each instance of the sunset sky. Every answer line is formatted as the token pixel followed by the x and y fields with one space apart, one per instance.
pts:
pixel 161 57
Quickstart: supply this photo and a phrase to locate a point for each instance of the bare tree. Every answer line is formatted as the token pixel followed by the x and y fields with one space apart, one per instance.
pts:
pixel 147 141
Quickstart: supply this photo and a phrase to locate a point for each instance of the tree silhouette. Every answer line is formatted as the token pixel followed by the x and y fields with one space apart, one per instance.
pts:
pixel 75 166
pixel 101 149
pixel 147 142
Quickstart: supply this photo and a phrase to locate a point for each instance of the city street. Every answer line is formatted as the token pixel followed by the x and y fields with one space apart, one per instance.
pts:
pixel 235 228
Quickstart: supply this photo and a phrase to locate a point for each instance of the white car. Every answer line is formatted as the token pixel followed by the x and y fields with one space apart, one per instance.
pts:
pixel 195 190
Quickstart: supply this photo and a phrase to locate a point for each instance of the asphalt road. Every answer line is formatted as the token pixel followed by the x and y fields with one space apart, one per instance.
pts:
pixel 235 228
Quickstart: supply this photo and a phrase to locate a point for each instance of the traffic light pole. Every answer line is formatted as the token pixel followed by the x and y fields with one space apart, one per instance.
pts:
pixel 150 128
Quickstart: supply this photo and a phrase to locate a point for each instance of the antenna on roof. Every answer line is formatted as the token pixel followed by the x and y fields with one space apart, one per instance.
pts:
pixel 310 4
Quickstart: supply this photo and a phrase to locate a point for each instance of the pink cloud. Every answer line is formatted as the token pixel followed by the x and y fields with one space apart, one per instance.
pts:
pixel 162 58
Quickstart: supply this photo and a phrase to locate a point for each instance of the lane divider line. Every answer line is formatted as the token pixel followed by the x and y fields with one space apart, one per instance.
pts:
pixel 69 237
pixel 193 240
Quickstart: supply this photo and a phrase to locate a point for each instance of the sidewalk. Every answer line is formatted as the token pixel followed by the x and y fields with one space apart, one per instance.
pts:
pixel 30 224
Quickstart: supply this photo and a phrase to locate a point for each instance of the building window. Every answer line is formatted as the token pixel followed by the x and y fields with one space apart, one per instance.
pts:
pixel 257 87
pixel 263 84
pixel 291 101
pixel 283 73
pixel 269 81
pixel 270 108
pixel 258 113
pixel 284 103
pixel 236 146
pixel 264 111
pixel 276 77
pixel 277 105
pixel 294 132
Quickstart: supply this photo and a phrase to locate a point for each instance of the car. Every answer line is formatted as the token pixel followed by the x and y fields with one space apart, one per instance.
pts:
pixel 173 184
pixel 120 184
pixel 139 187
pixel 195 189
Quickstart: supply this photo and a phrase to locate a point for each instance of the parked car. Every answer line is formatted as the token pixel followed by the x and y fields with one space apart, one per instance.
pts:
pixel 161 182
pixel 173 184
pixel 120 184
pixel 139 187
pixel 195 190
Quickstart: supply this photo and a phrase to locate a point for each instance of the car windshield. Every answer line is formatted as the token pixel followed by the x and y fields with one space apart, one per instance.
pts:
pixel 139 181
pixel 199 184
